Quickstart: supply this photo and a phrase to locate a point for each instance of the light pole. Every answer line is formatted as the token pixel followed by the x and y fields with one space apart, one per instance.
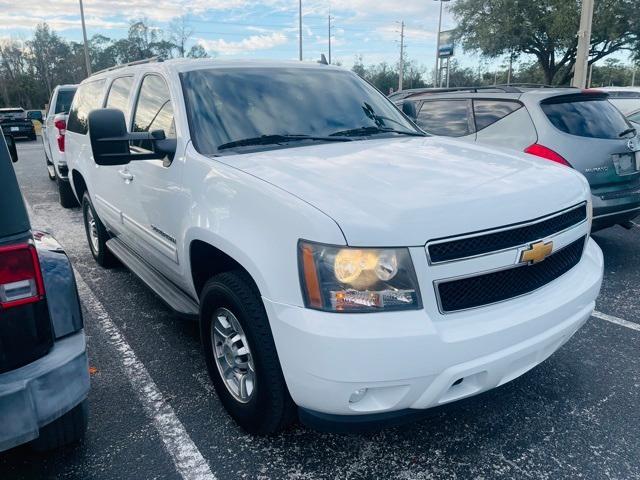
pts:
pixel 86 45
pixel 584 43
pixel 436 75
pixel 300 27
pixel 401 72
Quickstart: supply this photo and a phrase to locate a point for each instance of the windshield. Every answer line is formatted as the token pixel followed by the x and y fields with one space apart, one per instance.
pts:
pixel 228 105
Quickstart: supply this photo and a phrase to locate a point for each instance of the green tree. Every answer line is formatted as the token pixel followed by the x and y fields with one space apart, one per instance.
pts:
pixel 547 30
pixel 197 51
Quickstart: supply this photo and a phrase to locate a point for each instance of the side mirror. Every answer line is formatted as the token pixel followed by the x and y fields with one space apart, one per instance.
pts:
pixel 11 145
pixel 110 139
pixel 35 115
pixel 409 109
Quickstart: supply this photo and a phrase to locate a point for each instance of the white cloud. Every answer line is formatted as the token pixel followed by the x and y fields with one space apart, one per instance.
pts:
pixel 249 44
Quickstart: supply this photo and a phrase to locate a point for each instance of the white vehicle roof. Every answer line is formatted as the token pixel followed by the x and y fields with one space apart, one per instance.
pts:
pixel 179 65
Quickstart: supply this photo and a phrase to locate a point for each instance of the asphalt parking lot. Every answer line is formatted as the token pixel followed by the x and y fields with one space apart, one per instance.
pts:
pixel 154 413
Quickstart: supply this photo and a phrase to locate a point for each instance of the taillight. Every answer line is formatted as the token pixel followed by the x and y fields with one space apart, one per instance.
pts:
pixel 61 125
pixel 20 276
pixel 546 153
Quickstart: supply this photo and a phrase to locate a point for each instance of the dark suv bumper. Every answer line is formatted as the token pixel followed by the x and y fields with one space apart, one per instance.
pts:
pixel 42 391
pixel 23 130
pixel 614 208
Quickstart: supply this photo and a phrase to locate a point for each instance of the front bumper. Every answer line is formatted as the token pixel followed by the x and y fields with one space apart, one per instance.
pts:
pixel 42 391
pixel 418 360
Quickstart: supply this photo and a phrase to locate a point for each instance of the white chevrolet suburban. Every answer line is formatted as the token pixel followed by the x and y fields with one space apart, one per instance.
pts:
pixel 343 265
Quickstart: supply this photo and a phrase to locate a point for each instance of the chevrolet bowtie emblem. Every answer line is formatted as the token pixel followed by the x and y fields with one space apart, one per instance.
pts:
pixel 536 252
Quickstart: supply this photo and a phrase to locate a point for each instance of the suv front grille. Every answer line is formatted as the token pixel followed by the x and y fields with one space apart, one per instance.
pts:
pixel 493 287
pixel 444 251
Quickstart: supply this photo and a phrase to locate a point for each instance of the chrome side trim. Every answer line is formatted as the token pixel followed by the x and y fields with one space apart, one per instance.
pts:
pixel 616 213
pixel 503 229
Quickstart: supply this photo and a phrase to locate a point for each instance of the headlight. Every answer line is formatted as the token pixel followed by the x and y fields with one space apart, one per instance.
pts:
pixel 345 279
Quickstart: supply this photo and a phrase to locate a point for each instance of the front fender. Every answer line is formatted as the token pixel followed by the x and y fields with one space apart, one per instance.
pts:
pixel 255 223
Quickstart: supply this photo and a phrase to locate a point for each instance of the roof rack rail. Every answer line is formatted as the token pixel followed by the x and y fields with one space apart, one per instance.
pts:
pixel 501 88
pixel 534 85
pixel 137 62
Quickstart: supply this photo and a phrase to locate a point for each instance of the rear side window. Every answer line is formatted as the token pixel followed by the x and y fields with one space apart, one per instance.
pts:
pixel 63 102
pixel 154 110
pixel 118 96
pixel 488 112
pixel 87 98
pixel 448 118
pixel 584 116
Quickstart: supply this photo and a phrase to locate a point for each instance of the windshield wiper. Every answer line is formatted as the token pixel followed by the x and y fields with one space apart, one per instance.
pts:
pixel 373 130
pixel 627 132
pixel 275 139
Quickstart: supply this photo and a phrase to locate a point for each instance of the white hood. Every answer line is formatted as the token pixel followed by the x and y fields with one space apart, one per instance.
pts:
pixel 405 191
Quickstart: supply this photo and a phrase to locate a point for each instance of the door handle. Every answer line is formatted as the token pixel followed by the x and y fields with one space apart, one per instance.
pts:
pixel 126 176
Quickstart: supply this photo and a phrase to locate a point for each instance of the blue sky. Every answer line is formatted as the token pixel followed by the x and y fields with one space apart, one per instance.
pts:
pixel 257 29
pixel 261 29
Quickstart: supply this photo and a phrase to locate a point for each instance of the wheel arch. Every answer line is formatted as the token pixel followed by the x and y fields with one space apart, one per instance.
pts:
pixel 207 259
pixel 79 184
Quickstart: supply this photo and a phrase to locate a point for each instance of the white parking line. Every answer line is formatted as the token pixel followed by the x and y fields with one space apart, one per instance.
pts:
pixel 188 460
pixel 616 320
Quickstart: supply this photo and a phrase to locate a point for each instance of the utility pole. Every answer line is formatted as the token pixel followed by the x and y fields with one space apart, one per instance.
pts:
pixel 329 19
pixel 633 76
pixel 509 73
pixel 86 45
pixel 584 43
pixel 436 71
pixel 401 74
pixel 300 27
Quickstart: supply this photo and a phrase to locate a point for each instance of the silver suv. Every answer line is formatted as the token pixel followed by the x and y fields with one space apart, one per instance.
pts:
pixel 577 128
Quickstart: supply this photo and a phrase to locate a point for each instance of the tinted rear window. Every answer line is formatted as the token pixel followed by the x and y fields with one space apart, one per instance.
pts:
pixel 585 117
pixel 449 118
pixel 488 112
pixel 63 102
pixel 88 97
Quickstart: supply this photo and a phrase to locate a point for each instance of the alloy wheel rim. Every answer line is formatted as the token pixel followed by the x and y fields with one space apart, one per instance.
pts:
pixel 93 231
pixel 232 355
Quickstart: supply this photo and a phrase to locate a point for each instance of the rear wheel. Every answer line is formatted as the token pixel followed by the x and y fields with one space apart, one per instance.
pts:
pixel 65 192
pixel 97 234
pixel 70 428
pixel 241 355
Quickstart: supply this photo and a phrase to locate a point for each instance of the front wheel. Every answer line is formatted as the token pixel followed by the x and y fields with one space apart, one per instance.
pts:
pixel 97 234
pixel 241 355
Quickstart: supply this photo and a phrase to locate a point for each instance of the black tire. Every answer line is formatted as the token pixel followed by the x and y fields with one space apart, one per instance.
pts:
pixel 270 408
pixel 67 197
pixel 101 254
pixel 69 428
